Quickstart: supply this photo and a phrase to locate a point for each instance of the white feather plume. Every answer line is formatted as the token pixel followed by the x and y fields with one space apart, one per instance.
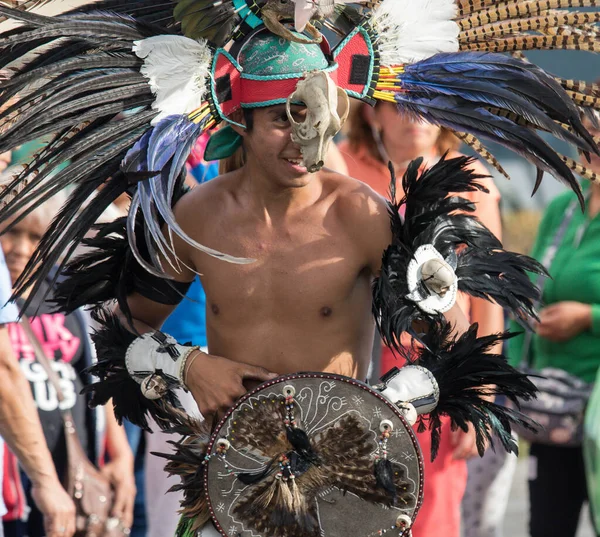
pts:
pixel 177 69
pixel 413 30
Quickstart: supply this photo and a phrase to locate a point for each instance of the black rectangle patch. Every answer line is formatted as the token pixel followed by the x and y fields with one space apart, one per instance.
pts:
pixel 223 88
pixel 360 70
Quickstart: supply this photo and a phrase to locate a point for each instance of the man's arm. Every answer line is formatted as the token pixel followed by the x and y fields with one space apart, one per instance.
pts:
pixel 21 429
pixel 372 225
pixel 215 382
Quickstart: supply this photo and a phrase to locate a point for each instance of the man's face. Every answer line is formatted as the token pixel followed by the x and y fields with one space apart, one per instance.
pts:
pixel 269 146
pixel 19 243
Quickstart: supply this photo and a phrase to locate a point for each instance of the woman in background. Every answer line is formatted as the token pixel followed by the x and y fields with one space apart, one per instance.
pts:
pixel 568 338
pixel 64 339
pixel 376 136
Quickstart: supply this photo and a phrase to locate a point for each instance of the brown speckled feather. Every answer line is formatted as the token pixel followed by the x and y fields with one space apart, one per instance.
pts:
pixel 351 468
pixel 288 509
pixel 261 426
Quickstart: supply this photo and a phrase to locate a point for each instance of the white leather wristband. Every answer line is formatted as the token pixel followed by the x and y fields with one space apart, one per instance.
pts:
pixel 412 388
pixel 154 356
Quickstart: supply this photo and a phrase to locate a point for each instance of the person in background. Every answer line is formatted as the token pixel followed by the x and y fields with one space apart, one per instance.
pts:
pixel 65 341
pixel 20 428
pixel 376 136
pixel 567 337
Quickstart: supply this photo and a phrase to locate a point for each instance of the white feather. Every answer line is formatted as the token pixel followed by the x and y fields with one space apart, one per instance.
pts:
pixel 177 68
pixel 413 30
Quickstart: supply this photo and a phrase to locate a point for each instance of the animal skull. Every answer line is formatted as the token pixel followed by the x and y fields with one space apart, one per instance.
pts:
pixel 437 276
pixel 327 108
pixel 154 387
pixel 302 12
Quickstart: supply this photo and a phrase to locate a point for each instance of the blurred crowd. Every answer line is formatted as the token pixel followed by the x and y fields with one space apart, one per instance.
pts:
pixel 464 494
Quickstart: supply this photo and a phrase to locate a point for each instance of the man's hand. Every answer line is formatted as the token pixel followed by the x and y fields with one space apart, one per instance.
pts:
pixel 56 506
pixel 464 444
pixel 217 383
pixel 120 473
pixel 564 320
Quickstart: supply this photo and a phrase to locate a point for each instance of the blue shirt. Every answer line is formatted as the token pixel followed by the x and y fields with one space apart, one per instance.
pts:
pixel 8 314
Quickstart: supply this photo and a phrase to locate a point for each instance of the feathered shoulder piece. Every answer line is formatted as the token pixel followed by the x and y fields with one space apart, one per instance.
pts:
pixel 440 248
pixel 461 365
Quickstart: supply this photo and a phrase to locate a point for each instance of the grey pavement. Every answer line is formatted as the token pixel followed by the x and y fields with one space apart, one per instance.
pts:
pixel 516 520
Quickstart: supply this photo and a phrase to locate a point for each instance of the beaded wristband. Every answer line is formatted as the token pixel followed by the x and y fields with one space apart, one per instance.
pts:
pixel 186 364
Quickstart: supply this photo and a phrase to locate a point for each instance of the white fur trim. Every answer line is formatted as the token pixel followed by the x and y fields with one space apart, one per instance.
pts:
pixel 413 30
pixel 177 68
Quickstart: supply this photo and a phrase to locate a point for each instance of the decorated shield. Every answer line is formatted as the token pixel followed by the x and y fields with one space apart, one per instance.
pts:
pixel 313 454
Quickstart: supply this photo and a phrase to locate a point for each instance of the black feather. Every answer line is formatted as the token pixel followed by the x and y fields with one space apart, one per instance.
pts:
pixel 301 444
pixel 105 271
pixel 112 340
pixel 467 370
pixel 384 476
pixel 431 217
pixel 250 478
pixel 102 274
pixel 147 11
pixel 85 77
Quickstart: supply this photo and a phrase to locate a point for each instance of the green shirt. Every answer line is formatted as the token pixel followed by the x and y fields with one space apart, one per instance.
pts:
pixel 575 273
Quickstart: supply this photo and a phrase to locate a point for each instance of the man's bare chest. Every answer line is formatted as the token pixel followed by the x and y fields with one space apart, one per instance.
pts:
pixel 309 273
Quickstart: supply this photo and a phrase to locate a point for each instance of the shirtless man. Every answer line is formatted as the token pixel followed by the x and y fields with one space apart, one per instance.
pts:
pixel 305 303
pixel 316 241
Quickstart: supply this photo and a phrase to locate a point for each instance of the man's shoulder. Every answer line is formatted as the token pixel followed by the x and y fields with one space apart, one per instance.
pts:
pixel 365 216
pixel 205 195
pixel 355 199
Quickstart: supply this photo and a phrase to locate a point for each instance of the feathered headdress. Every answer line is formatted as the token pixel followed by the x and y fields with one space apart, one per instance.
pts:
pixel 125 88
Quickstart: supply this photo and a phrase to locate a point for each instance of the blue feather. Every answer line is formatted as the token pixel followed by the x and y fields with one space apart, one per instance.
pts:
pixel 457 115
pixel 164 150
pixel 166 137
pixel 458 90
pixel 524 80
pixel 136 160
